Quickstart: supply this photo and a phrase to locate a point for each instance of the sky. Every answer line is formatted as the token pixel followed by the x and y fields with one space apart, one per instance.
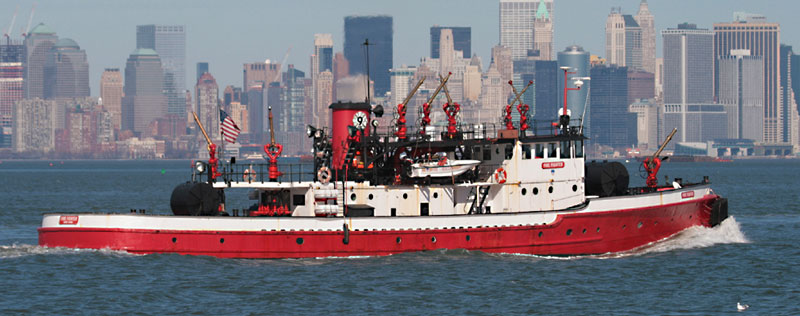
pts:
pixel 228 34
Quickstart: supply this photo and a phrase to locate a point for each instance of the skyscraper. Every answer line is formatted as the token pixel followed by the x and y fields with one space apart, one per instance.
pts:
pixel 34 125
pixel 264 73
pixel 111 94
pixel 646 21
pixel 380 33
pixel 521 21
pixel 11 80
pixel 543 96
pixel 742 34
pixel 543 32
pixel 322 84
pixel 790 120
pixel 623 40
pixel 144 100
pixel 688 68
pixel 169 41
pixel 612 124
pixel 255 112
pixel 402 83
pixel 207 95
pixel 37 45
pixel 66 71
pixel 341 69
pixel 502 58
pixel 576 58
pixel 641 85
pixel 447 55
pixel 202 67
pixel 741 90
pixel 462 39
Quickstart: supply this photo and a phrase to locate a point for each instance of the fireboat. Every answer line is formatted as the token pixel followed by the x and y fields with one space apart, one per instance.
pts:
pixel 373 191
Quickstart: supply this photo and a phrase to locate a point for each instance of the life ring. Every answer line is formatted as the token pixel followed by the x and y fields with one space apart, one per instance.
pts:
pixel 249 175
pixel 324 175
pixel 500 175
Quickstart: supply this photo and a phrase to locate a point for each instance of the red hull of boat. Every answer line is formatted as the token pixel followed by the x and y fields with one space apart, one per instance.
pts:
pixel 570 234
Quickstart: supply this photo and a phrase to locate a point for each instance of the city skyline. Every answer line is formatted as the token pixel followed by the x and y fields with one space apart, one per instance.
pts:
pixel 227 44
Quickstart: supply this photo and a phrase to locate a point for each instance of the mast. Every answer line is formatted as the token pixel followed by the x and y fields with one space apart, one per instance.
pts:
pixel 366 55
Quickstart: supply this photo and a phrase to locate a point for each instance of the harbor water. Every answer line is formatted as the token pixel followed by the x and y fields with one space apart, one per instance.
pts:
pixel 750 258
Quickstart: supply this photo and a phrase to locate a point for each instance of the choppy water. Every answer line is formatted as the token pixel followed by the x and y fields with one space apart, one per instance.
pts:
pixel 751 258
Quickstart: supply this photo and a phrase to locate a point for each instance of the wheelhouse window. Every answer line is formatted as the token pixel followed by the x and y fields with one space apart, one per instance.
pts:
pixel 578 148
pixel 526 151
pixel 539 151
pixel 551 150
pixel 565 152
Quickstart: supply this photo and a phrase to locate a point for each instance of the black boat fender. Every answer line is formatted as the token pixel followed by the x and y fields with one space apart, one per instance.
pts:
pixel 346 239
pixel 719 211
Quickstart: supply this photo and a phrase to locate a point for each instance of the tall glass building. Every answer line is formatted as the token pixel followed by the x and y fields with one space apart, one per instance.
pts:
pixel 144 100
pixel 37 45
pixel 169 41
pixel 542 96
pixel 612 124
pixel 66 71
pixel 762 38
pixel 462 39
pixel 688 69
pixel 521 21
pixel 379 31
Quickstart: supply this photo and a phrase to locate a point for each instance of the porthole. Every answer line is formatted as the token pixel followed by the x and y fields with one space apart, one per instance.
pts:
pixel 174 240
pixel 569 232
pixel 655 223
pixel 352 197
pixel 574 188
pixel 598 229
pixel 584 230
pixel 624 226
pixel 540 234
pixel 639 225
pixel 550 189
pixel 299 241
pixel 405 196
pixel 222 240
pixel 497 150
pixel 435 195
pixel 399 240
pixel 690 216
pixel 467 237
pixel 370 196
pixel 433 239
pixel 524 191
pixel 535 191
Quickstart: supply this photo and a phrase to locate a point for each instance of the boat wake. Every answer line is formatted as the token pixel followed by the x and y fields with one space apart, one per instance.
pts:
pixel 727 232
pixel 24 250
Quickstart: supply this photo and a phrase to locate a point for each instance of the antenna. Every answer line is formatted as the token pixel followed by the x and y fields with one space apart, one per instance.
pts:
pixel 366 54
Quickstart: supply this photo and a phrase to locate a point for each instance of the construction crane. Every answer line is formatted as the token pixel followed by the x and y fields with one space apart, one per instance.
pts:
pixel 285 57
pixel 7 34
pixel 30 19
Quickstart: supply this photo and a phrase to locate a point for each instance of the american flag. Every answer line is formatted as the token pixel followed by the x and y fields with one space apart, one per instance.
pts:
pixel 229 129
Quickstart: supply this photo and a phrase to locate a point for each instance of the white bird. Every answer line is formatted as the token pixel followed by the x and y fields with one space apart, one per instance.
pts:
pixel 741 308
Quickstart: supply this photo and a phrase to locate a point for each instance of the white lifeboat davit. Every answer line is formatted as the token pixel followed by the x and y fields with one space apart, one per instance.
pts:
pixel 442 168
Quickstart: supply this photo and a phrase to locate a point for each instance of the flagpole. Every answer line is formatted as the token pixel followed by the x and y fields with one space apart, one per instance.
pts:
pixel 219 123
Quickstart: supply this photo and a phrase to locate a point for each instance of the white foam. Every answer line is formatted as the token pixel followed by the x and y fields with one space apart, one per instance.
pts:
pixel 22 250
pixel 727 232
